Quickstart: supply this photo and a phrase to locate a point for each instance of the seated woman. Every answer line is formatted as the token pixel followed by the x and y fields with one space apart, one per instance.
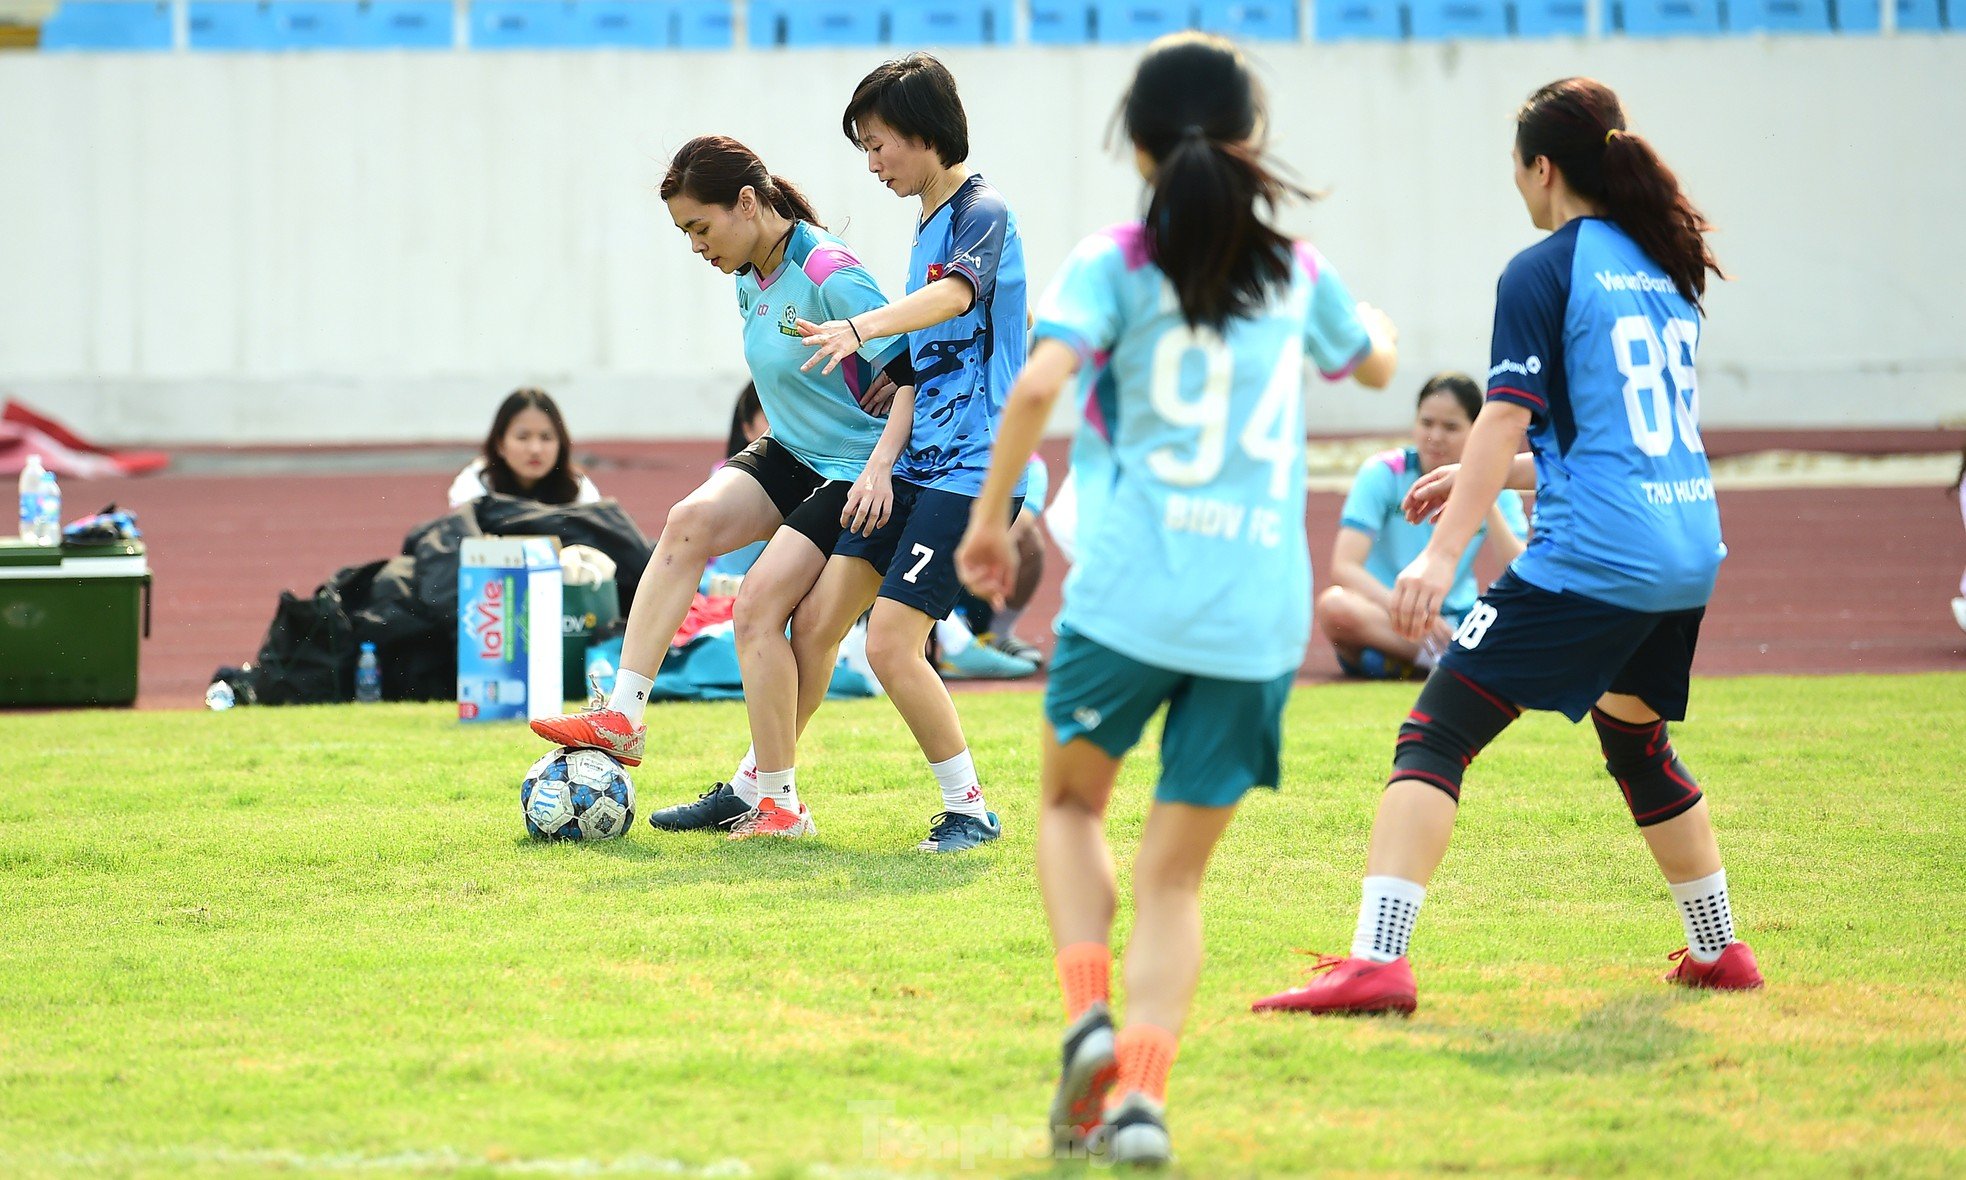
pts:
pixel 527 453
pixel 1375 542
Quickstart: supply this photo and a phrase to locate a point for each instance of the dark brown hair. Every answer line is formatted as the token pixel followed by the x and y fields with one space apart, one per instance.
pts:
pixel 561 485
pixel 748 407
pixel 1459 386
pixel 1580 126
pixel 916 96
pixel 1196 109
pixel 716 169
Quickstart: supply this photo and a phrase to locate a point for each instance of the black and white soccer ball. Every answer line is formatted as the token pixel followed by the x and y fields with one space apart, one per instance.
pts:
pixel 576 794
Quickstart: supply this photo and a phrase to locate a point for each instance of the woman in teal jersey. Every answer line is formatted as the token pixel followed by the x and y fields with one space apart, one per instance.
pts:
pixel 1188 332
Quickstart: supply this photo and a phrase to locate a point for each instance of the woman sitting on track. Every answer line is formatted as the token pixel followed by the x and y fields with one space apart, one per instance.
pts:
pixel 527 453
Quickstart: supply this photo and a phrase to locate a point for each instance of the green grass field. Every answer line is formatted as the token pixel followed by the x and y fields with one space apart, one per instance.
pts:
pixel 316 940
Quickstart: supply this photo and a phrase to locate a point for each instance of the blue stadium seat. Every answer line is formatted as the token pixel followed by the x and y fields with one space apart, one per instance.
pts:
pixel 1121 21
pixel 230 26
pixel 1667 18
pixel 402 24
pixel 1359 20
pixel 703 24
pixel 916 23
pixel 1060 22
pixel 811 23
pixel 1458 20
pixel 1861 16
pixel 108 24
pixel 1249 20
pixel 1549 18
pixel 618 24
pixel 313 24
pixel 519 24
pixel 1779 16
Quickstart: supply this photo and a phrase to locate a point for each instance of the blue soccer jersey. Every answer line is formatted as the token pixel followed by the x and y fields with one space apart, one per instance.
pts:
pixel 1190 461
pixel 1373 507
pixel 817 418
pixel 1594 339
pixel 964 366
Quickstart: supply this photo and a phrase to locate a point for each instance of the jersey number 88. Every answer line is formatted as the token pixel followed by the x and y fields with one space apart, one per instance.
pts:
pixel 1644 359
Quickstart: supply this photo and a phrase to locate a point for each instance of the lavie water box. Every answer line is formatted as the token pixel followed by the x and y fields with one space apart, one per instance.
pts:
pixel 508 628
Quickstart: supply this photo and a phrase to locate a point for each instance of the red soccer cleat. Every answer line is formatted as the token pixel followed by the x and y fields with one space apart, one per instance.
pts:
pixel 596 728
pixel 769 819
pixel 1734 971
pixel 1342 986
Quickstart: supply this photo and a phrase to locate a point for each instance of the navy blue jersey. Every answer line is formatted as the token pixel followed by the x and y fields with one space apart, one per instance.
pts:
pixel 1593 338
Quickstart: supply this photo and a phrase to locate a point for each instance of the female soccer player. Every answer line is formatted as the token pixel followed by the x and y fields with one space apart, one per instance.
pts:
pixel 825 462
pixel 964 317
pixel 1596 331
pixel 526 453
pixel 1375 541
pixel 1188 331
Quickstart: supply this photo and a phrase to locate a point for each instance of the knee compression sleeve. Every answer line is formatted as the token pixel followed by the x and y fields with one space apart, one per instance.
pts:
pixel 1450 723
pixel 1656 784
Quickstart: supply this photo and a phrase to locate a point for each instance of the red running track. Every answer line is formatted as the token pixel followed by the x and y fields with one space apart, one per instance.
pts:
pixel 1819 580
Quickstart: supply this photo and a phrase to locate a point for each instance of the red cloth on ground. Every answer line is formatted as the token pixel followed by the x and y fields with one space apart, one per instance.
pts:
pixel 25 432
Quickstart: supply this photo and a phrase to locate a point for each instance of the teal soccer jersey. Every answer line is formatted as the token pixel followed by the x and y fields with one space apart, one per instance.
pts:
pixel 817 418
pixel 1373 507
pixel 1190 460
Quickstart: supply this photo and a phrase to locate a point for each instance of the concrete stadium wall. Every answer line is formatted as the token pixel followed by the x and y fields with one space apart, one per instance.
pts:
pixel 327 247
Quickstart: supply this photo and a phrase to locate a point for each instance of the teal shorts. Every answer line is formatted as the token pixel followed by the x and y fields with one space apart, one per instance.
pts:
pixel 1221 737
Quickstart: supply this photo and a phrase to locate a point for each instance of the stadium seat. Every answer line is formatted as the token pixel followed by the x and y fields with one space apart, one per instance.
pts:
pixel 403 24
pixel 230 26
pixel 519 24
pixel 1914 16
pixel 1778 16
pixel 916 23
pixel 1550 18
pixel 703 24
pixel 121 25
pixel 1060 22
pixel 1117 22
pixel 1359 20
pixel 1457 20
pixel 814 23
pixel 1667 18
pixel 1247 21
pixel 617 24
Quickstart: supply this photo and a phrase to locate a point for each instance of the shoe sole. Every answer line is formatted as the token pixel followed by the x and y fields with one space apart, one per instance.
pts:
pixel 1396 1006
pixel 603 747
pixel 660 826
pixel 1082 1088
pixel 1141 1147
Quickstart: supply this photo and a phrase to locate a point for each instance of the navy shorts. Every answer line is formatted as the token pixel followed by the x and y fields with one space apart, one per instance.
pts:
pixel 1561 652
pixel 1221 737
pixel 915 551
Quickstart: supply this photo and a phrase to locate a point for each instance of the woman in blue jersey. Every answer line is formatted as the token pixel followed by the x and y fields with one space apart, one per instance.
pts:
pixel 826 461
pixel 1375 541
pixel 1596 331
pixel 1188 333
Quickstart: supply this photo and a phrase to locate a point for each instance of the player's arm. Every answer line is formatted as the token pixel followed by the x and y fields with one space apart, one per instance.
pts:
pixel 1375 371
pixel 1504 543
pixel 1485 463
pixel 870 500
pixel 835 340
pixel 1430 491
pixel 1348 554
pixel 986 559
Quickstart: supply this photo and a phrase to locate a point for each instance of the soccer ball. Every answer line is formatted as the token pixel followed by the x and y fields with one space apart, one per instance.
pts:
pixel 577 795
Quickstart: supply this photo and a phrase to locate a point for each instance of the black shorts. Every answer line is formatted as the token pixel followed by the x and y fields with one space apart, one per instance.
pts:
pixel 1562 652
pixel 809 502
pixel 915 551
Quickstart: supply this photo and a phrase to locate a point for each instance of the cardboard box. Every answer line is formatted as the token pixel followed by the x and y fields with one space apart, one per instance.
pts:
pixel 508 628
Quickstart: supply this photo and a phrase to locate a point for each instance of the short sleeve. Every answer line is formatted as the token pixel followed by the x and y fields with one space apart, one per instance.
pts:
pixel 1334 337
pixel 976 237
pixel 1371 499
pixel 1510 502
pixel 849 291
pixel 1528 339
pixel 1081 307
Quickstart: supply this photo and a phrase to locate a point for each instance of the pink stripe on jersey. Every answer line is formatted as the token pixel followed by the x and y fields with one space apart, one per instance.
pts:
pixel 1095 414
pixel 1308 256
pixel 1395 459
pixel 1131 238
pixel 825 260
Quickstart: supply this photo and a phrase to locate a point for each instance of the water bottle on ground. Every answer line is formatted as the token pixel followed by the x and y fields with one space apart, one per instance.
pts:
pixel 220 697
pixel 47 523
pixel 30 499
pixel 368 677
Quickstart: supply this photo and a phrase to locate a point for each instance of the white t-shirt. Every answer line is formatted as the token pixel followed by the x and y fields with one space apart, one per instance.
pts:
pixel 470 485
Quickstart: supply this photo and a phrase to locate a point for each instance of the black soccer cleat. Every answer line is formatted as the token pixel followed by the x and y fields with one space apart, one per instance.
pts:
pixel 718 807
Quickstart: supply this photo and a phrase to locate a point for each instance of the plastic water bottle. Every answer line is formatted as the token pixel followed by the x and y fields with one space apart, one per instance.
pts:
pixel 30 500
pixel 368 677
pixel 220 697
pixel 47 522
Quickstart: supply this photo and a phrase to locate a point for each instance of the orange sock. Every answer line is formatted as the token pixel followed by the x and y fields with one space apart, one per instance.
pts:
pixel 1146 1054
pixel 1085 971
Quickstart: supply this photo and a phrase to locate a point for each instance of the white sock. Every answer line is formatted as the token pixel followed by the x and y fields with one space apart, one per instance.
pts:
pixel 631 695
pixel 777 786
pixel 745 780
pixel 952 637
pixel 960 790
pixel 1709 920
pixel 1385 918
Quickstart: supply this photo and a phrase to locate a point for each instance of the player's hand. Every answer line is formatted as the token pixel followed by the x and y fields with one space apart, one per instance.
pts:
pixel 1428 495
pixel 1418 592
pixel 878 396
pixel 1378 325
pixel 986 561
pixel 832 342
pixel 869 501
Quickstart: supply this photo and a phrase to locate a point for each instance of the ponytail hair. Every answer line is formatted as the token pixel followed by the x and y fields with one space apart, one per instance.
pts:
pixel 716 169
pixel 1580 126
pixel 1195 108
